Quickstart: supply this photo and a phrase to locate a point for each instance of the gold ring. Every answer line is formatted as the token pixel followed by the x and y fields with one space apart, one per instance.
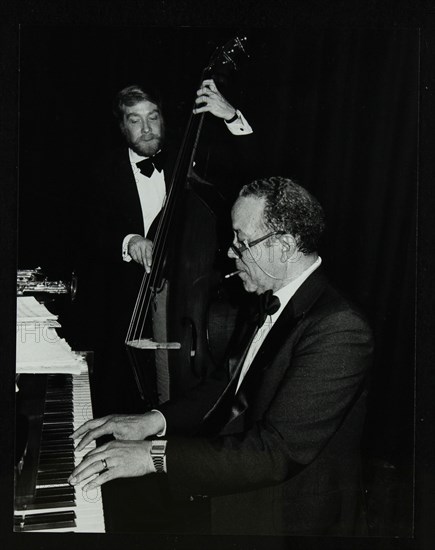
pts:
pixel 105 467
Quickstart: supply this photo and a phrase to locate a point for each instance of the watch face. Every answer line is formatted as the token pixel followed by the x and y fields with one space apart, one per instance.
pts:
pixel 158 448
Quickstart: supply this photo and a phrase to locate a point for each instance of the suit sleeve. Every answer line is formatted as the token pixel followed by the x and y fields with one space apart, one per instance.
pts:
pixel 322 376
pixel 106 233
pixel 183 415
pixel 112 208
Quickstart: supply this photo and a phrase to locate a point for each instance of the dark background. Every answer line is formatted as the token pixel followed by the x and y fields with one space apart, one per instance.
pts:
pixel 344 107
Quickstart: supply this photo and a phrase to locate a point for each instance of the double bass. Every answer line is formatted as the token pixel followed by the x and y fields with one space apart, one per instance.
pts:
pixel 183 320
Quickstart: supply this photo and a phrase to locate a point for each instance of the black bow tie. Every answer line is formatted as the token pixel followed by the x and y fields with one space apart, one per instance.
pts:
pixel 268 304
pixel 147 166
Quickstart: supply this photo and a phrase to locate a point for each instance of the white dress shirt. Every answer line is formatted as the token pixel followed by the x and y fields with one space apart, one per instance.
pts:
pixel 151 190
pixel 152 193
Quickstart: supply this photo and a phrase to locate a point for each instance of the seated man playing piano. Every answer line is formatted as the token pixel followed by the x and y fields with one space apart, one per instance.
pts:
pixel 275 446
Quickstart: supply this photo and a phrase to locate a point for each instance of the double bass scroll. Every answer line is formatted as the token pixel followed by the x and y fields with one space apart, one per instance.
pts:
pixel 175 297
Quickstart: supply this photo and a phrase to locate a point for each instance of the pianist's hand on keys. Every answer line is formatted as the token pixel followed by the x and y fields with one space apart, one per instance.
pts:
pixel 125 427
pixel 113 460
pixel 127 458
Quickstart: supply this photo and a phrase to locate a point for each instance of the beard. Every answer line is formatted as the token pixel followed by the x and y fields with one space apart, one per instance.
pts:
pixel 147 146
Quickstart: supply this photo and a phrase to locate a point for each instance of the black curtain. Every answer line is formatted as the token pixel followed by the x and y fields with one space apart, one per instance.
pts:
pixel 343 108
pixel 335 109
pixel 339 112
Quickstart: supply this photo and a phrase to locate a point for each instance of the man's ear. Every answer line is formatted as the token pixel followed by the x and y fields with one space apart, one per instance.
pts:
pixel 289 248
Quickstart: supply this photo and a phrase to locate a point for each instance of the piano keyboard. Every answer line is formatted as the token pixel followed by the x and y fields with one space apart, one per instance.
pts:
pixel 58 507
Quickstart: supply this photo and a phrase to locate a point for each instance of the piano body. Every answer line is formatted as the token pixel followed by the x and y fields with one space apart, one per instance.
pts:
pixel 49 407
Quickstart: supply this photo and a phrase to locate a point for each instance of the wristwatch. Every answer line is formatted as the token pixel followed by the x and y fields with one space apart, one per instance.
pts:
pixel 158 452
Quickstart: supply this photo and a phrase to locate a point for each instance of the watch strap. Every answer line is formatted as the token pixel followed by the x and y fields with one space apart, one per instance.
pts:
pixel 158 453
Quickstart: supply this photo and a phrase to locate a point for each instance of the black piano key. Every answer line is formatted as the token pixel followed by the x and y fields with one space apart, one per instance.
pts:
pixel 55 501
pixel 55 454
pixel 56 470
pixel 53 437
pixel 56 433
pixel 58 398
pixel 54 520
pixel 53 491
pixel 60 423
pixel 63 404
pixel 52 450
pixel 61 465
pixel 58 412
pixel 62 501
pixel 52 477
pixel 57 459
pixel 59 442
pixel 64 425
pixel 56 409
pixel 53 394
pixel 58 401
pixel 58 447
pixel 56 467
pixel 63 430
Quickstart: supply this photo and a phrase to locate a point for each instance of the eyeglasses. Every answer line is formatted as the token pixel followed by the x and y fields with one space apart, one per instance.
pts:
pixel 238 250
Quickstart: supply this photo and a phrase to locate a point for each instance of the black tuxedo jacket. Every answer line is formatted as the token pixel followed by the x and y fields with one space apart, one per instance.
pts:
pixel 289 462
pixel 107 285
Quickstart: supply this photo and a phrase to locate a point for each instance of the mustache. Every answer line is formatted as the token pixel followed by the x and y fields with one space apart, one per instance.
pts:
pixel 147 137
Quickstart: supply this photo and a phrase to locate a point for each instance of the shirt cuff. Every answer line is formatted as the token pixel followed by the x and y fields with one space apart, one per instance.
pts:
pixel 163 432
pixel 240 126
pixel 125 255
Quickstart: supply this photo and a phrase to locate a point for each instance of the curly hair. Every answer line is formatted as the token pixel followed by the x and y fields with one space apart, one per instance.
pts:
pixel 131 95
pixel 289 208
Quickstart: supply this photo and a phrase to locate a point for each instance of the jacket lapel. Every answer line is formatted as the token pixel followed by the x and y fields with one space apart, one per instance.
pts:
pixel 295 310
pixel 304 298
pixel 221 411
pixel 131 208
